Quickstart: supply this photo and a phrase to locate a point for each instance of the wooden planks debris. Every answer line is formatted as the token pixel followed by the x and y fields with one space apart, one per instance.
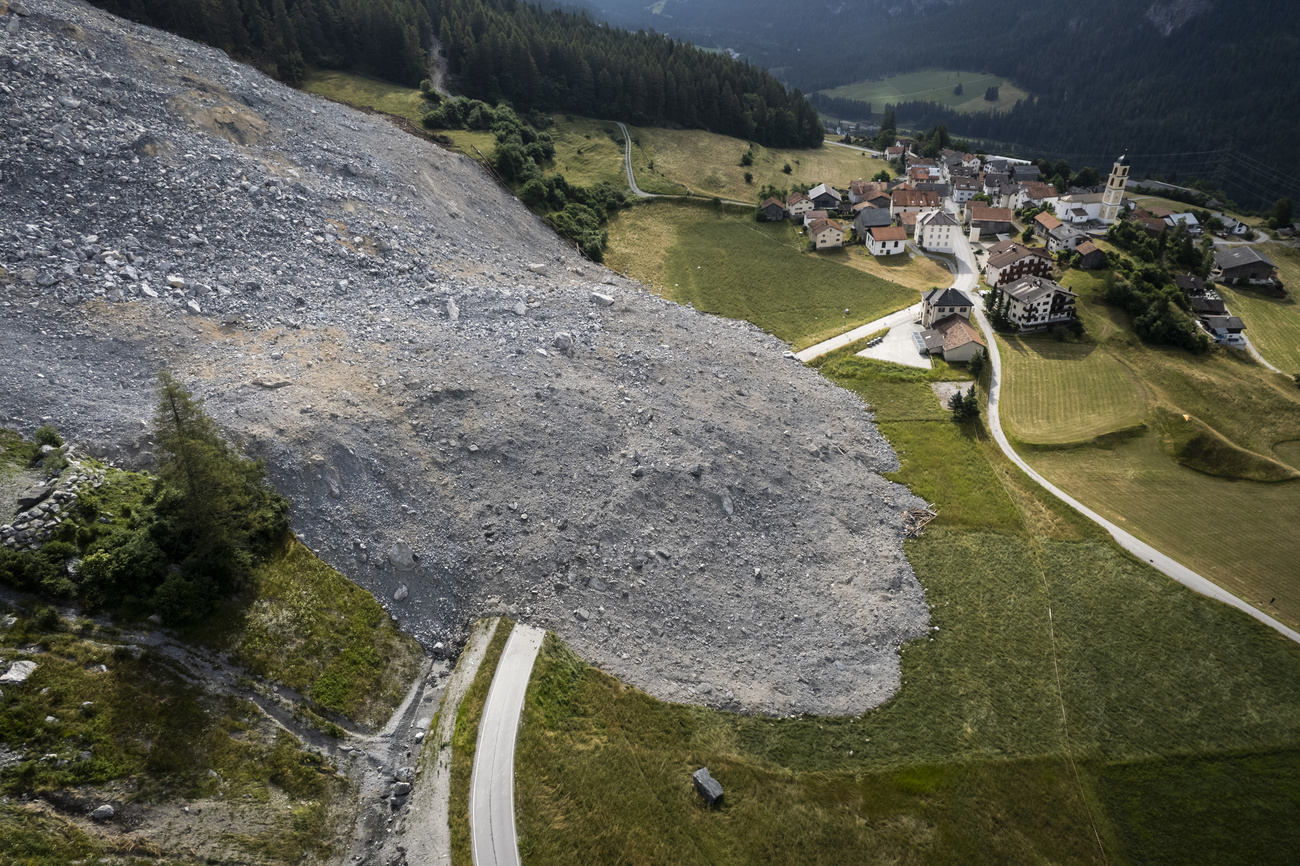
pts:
pixel 916 519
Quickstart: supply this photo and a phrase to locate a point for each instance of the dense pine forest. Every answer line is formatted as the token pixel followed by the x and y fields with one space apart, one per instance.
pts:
pixel 1188 88
pixel 500 50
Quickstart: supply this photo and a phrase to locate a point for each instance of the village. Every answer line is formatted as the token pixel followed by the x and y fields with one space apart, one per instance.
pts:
pixel 1020 234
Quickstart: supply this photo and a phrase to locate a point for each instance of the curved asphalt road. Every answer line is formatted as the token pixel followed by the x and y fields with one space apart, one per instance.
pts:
pixel 966 281
pixel 492 783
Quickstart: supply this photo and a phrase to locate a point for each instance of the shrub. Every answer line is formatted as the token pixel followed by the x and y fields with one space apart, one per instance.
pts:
pixel 48 435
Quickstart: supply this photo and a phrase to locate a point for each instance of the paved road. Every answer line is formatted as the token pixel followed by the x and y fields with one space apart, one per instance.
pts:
pixel 492 783
pixel 1148 554
pixel 893 320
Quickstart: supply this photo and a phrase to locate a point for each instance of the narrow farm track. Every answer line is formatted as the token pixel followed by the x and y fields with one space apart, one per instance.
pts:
pixel 640 193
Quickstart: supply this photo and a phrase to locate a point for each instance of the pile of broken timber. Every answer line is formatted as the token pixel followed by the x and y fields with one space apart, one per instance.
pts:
pixel 916 519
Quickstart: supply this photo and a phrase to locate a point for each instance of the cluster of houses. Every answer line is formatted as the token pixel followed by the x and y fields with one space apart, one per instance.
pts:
pixel 933 205
pixel 1209 308
pixel 935 200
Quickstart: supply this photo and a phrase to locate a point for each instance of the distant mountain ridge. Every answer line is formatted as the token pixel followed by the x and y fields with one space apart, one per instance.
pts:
pixel 1195 81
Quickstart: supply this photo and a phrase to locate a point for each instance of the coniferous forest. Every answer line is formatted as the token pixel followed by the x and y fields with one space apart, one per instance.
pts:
pixel 531 57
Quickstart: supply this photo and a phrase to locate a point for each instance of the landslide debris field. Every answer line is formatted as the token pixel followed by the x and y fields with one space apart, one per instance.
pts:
pixel 468 417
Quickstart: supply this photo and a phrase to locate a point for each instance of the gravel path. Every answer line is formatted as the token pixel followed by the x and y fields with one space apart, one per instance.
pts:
pixel 427 839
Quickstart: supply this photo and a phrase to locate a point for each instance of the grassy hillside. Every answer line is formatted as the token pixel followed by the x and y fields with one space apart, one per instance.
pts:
pixel 1210 476
pixel 587 151
pixel 1066 392
pixel 934 85
pixel 724 262
pixel 1034 724
pixel 117 713
pixel 709 165
pixel 1273 324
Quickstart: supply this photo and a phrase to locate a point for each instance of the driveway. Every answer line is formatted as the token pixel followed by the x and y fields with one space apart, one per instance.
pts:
pixel 899 346
pixel 893 320
pixel 492 784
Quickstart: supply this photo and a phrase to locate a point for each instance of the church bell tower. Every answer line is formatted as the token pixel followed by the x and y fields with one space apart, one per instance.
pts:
pixel 1113 198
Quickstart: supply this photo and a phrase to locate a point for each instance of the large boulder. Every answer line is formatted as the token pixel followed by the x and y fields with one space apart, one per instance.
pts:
pixel 709 787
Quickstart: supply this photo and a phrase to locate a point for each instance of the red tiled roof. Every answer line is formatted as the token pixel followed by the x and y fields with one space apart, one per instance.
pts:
pixel 821 225
pixel 1047 221
pixel 957 332
pixel 980 213
pixel 916 198
pixel 888 233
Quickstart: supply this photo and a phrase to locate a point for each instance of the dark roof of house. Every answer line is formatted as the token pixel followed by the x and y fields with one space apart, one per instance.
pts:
pixel 938 218
pixel 1190 283
pixel 1002 246
pixel 823 189
pixel 1207 304
pixel 1026 172
pixel 1028 289
pixel 1087 248
pixel 933 339
pixel 1232 324
pixel 1012 255
pixel 1064 232
pixel 873 216
pixel 1235 257
pixel 947 298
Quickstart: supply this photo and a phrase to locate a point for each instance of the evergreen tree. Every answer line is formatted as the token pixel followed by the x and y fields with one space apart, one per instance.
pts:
pixel 219 513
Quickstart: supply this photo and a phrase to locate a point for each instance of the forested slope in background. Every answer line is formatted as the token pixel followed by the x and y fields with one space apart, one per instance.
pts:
pixel 548 59
pixel 1192 87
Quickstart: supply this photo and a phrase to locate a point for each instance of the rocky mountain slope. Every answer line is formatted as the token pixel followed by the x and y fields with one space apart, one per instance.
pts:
pixel 468 416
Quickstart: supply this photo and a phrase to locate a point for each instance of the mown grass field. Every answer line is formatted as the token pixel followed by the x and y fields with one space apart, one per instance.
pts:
pixel 708 164
pixel 1032 726
pixel 1236 533
pixel 1273 324
pixel 915 272
pixel 1065 392
pixel 1206 482
pixel 723 261
pixel 934 85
